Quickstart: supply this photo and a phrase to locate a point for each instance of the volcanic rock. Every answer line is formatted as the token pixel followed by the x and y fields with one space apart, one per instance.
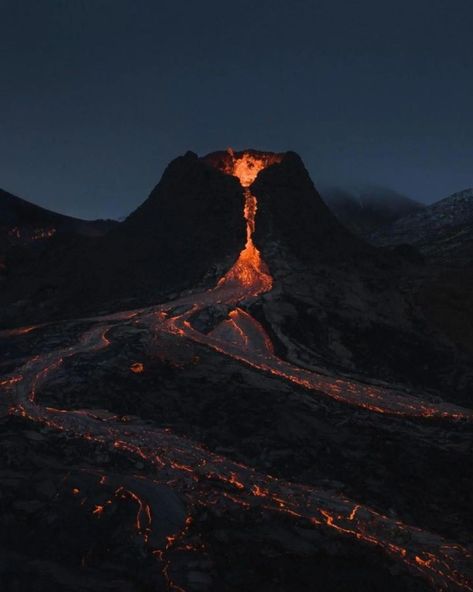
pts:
pixel 338 300
pixel 23 222
pixel 292 215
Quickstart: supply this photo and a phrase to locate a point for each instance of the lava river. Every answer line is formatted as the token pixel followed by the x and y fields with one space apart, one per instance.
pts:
pixel 191 470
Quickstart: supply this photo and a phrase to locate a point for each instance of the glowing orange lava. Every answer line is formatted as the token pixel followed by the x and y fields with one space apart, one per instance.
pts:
pixel 137 368
pixel 249 271
pixel 247 165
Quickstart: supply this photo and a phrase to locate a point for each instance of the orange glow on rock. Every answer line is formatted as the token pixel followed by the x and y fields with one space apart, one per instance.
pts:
pixel 137 368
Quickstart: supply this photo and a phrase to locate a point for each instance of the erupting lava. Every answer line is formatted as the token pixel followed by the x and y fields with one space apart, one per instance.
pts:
pixel 247 165
pixel 249 271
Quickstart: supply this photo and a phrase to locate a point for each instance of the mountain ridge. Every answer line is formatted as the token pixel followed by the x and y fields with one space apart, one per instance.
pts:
pixel 365 210
pixel 442 231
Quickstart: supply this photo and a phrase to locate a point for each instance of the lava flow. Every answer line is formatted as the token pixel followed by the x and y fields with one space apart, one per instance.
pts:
pixel 193 471
pixel 249 271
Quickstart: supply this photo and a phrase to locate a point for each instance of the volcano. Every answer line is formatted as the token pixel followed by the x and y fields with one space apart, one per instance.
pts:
pixel 189 232
pixel 219 394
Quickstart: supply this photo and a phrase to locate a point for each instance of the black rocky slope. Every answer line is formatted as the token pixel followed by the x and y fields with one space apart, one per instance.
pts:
pixel 443 231
pixel 339 301
pixel 24 225
pixel 443 234
pixel 292 215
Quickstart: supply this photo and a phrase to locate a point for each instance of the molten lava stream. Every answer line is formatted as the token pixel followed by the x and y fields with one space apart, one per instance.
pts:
pixel 249 271
pixel 243 331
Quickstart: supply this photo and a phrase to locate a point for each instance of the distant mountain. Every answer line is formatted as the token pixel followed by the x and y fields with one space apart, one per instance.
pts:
pixel 24 223
pixel 442 231
pixel 365 211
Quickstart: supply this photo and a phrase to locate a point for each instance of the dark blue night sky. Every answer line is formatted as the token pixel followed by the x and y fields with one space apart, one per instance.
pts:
pixel 97 96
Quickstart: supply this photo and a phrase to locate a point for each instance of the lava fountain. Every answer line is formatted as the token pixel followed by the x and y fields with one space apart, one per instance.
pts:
pixel 249 270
